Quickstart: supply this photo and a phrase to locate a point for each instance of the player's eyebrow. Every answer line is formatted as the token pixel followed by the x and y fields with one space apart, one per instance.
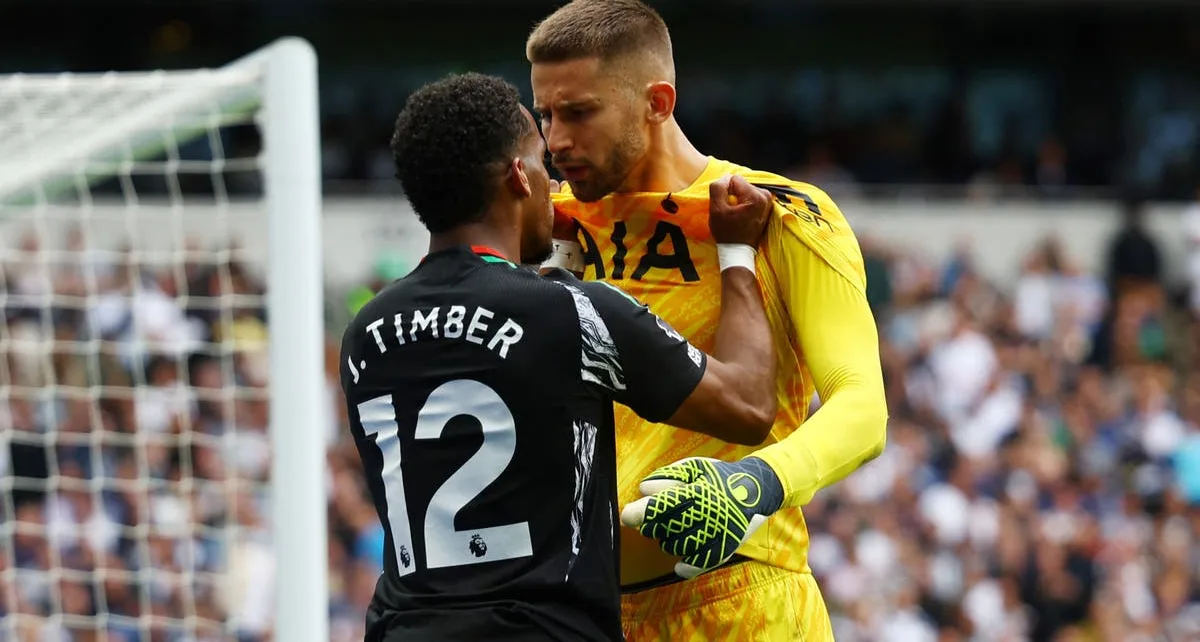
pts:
pixel 582 103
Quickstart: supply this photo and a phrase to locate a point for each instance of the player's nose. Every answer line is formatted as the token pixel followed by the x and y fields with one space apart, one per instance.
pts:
pixel 558 139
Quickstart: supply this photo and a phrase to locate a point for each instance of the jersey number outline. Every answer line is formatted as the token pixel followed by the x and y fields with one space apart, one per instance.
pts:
pixel 446 546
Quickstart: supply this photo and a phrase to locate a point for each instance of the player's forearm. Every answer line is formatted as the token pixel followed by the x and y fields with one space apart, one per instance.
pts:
pixel 848 431
pixel 744 345
pixel 840 344
pixel 735 400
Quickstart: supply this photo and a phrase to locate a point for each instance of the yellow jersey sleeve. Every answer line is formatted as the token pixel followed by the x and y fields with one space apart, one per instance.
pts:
pixel 818 265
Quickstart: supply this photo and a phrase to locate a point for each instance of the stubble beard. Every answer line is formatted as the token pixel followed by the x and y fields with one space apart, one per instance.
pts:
pixel 608 179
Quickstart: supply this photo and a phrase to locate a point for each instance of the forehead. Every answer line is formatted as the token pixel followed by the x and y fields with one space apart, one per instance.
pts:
pixel 562 84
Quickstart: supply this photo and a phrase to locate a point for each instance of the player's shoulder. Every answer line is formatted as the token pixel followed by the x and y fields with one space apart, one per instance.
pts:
pixel 594 292
pixel 786 189
pixel 816 218
pixel 427 286
pixel 813 218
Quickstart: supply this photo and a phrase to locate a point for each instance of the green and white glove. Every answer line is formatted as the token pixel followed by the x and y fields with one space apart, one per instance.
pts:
pixel 703 509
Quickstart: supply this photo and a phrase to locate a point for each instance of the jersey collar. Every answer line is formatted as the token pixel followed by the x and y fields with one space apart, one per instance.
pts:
pixel 483 250
pixel 477 250
pixel 716 168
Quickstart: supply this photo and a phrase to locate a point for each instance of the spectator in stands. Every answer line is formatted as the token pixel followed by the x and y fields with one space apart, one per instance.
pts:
pixel 1134 258
pixel 1039 507
pixel 1191 230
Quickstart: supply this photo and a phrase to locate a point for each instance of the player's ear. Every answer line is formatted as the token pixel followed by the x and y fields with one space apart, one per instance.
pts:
pixel 519 179
pixel 661 95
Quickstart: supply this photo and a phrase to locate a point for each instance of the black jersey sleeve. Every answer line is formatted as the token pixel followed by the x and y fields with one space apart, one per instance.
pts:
pixel 645 363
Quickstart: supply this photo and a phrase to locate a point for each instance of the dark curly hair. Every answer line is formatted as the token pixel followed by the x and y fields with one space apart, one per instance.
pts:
pixel 449 140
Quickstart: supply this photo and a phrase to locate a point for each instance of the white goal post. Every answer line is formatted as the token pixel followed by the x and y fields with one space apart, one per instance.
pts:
pixel 132 371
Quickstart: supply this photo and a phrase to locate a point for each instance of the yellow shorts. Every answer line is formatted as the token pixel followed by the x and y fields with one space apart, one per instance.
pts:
pixel 747 602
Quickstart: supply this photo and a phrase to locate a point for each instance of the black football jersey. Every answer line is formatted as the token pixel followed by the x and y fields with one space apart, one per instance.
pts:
pixel 480 397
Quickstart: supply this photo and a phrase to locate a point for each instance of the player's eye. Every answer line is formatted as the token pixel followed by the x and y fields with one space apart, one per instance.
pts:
pixel 577 114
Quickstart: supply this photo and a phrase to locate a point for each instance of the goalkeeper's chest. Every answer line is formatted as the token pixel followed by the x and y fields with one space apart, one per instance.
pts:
pixel 668 261
pixel 649 241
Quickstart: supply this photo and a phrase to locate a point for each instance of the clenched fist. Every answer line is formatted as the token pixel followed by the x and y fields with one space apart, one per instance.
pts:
pixel 737 210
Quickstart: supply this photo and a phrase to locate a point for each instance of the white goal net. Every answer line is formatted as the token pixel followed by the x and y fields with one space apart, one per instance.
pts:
pixel 161 323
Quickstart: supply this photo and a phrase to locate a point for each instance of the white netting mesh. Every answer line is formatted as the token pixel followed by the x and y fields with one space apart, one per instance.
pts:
pixel 133 416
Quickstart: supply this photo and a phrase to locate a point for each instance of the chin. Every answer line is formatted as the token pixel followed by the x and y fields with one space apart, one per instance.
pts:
pixel 584 192
pixel 584 195
pixel 597 187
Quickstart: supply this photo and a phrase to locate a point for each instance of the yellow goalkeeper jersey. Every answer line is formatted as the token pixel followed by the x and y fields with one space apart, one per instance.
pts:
pixel 657 247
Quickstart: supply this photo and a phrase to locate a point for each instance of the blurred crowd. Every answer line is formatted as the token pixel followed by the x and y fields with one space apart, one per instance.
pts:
pixel 873 155
pixel 1040 480
pixel 1042 475
pixel 134 453
pixel 856 134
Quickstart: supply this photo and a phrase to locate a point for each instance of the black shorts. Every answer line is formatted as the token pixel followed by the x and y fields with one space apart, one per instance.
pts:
pixel 508 623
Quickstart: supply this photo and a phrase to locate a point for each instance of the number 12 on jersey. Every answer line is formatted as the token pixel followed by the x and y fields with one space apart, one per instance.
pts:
pixel 446 546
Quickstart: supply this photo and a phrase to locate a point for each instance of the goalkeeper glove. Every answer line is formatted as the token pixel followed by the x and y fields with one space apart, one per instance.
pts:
pixel 702 509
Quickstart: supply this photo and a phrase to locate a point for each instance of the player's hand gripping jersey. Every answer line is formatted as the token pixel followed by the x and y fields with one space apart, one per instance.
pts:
pixel 657 247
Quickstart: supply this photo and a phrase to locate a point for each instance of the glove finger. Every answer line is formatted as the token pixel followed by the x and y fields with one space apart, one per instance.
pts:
pixel 666 514
pixel 686 470
pixel 634 513
pixel 681 472
pixel 687 571
pixel 653 486
pixel 694 563
pixel 691 566
pixel 680 545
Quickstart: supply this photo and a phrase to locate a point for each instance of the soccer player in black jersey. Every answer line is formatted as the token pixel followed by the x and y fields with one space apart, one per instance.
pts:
pixel 481 393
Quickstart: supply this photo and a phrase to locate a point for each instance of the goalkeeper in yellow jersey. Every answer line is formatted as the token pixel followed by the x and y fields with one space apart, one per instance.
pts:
pixel 633 212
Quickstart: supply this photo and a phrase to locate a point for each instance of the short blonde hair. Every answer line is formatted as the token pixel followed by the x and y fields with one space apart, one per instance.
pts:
pixel 604 29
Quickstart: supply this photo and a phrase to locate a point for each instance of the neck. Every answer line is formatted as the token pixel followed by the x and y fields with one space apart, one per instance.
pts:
pixel 671 164
pixel 505 241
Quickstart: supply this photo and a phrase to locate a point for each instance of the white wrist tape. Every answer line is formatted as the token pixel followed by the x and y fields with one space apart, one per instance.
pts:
pixel 567 255
pixel 731 255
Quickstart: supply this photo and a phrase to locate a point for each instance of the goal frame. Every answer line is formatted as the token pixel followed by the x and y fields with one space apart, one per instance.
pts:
pixel 290 166
pixel 289 120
